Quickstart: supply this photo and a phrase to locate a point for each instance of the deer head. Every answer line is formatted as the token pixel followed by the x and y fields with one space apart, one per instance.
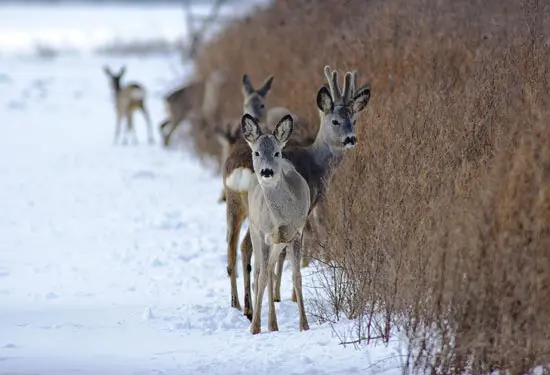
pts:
pixel 254 100
pixel 338 109
pixel 114 78
pixel 266 148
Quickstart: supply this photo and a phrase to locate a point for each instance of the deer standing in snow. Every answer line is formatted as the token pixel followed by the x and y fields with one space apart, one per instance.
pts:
pixel 238 171
pixel 337 110
pixel 278 206
pixel 128 99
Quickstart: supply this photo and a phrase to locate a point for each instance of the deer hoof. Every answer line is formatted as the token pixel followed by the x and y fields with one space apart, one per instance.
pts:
pixel 255 330
pixel 235 304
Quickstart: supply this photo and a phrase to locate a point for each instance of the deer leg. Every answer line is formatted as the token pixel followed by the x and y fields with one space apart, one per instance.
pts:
pixel 163 131
pixel 319 233
pixel 278 275
pixel 256 275
pixel 235 218
pixel 309 236
pixel 261 256
pixel 272 317
pixel 297 281
pixel 147 118
pixel 246 254
pixel 168 135
pixel 117 128
pixel 130 126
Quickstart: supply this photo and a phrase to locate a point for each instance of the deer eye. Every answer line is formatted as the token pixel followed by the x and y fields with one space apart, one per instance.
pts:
pixel 277 154
pixel 256 153
pixel 262 106
pixel 335 122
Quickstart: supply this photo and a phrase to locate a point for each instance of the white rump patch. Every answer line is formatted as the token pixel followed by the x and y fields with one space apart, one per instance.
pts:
pixel 239 179
pixel 137 94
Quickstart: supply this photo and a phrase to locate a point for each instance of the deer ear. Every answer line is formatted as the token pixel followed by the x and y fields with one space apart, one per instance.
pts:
pixel 324 100
pixel 122 71
pixel 283 130
pixel 361 98
pixel 266 86
pixel 250 128
pixel 107 70
pixel 247 85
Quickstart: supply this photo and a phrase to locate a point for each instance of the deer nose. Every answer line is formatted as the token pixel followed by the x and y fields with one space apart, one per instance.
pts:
pixel 350 141
pixel 266 173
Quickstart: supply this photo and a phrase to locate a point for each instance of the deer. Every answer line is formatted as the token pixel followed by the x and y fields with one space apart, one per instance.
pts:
pixel 278 206
pixel 196 99
pixel 237 173
pixel 128 99
pixel 338 110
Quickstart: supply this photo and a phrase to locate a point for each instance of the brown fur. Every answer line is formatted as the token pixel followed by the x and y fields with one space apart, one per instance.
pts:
pixel 240 157
pixel 179 104
pixel 197 102
pixel 127 102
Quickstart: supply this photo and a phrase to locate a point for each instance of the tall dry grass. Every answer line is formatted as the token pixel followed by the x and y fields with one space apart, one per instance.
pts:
pixel 439 221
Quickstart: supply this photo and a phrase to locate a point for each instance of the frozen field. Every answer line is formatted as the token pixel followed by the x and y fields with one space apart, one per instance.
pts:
pixel 112 258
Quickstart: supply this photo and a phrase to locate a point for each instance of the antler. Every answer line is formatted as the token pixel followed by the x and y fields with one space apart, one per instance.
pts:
pixel 350 84
pixel 348 87
pixel 332 80
pixel 353 82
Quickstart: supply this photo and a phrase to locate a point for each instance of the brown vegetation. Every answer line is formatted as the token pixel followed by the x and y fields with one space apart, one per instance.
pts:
pixel 440 219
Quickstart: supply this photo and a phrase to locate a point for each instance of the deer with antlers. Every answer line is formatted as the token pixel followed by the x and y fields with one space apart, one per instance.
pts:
pixel 128 99
pixel 338 110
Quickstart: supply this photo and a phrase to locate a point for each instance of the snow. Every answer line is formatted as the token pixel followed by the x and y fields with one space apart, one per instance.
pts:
pixel 112 258
pixel 82 29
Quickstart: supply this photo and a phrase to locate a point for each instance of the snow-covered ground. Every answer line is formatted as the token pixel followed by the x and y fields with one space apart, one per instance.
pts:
pixel 112 258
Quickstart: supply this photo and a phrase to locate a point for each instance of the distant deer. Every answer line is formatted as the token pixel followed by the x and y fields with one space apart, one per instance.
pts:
pixel 338 110
pixel 128 99
pixel 199 99
pixel 278 206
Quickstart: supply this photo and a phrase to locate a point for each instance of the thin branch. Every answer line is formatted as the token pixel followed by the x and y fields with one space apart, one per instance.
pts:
pixel 360 340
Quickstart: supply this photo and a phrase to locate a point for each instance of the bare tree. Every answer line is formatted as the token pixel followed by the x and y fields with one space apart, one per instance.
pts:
pixel 198 26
